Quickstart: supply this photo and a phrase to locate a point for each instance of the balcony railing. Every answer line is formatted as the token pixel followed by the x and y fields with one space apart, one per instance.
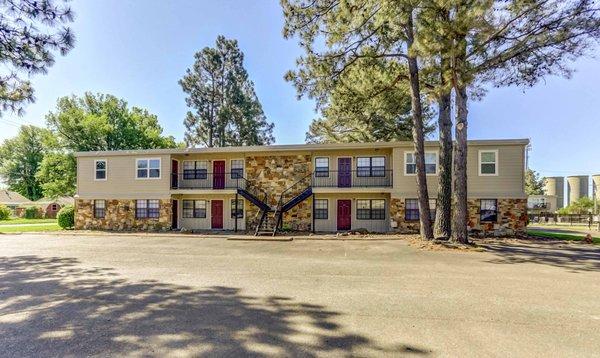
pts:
pixel 362 178
pixel 204 180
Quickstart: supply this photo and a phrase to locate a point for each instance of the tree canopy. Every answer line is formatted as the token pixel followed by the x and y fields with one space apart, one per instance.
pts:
pixel 20 158
pixel 224 108
pixel 361 108
pixel 534 185
pixel 30 31
pixel 104 122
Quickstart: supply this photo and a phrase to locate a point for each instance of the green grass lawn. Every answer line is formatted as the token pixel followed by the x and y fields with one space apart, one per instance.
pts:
pixel 29 228
pixel 561 236
pixel 15 221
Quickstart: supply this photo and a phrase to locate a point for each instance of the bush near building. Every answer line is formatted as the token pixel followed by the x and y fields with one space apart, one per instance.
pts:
pixel 66 217
pixel 5 212
pixel 33 212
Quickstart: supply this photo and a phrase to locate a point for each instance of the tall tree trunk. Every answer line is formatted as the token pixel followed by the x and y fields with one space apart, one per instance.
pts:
pixel 459 83
pixel 212 116
pixel 443 214
pixel 460 168
pixel 418 135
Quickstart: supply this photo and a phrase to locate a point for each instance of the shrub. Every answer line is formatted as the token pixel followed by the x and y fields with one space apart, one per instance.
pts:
pixel 33 212
pixel 66 217
pixel 5 212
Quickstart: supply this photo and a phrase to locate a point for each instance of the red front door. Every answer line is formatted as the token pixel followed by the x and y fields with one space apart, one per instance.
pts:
pixel 216 214
pixel 219 174
pixel 344 214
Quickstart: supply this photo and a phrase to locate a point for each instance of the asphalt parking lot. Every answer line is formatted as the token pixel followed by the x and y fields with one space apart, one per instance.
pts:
pixel 190 296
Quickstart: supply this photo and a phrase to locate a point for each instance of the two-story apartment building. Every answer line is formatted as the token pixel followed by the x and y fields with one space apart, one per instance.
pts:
pixel 308 187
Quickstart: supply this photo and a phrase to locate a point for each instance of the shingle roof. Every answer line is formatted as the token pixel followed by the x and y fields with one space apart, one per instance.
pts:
pixel 11 197
pixel 63 200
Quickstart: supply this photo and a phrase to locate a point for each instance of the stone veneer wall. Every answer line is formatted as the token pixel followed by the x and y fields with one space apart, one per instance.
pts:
pixel 274 174
pixel 397 215
pixel 512 215
pixel 120 215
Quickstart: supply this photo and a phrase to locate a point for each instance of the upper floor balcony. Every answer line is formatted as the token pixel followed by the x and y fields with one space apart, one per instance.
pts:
pixel 198 179
pixel 361 178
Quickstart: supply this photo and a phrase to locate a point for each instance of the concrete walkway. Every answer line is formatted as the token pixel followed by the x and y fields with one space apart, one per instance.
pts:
pixel 112 295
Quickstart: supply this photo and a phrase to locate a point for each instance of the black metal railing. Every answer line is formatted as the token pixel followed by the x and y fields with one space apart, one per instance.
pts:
pixel 361 178
pixel 204 180
pixel 537 206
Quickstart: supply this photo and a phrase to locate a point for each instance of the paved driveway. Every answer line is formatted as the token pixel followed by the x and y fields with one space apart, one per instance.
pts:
pixel 126 295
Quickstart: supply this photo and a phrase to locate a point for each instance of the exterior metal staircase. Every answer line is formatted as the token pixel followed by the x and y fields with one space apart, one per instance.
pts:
pixel 290 197
pixel 271 219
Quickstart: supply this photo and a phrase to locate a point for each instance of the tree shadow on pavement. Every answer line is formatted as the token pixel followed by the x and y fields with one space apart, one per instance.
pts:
pixel 53 307
pixel 572 256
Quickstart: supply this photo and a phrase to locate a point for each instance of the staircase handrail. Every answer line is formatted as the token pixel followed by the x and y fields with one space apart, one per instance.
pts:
pixel 250 187
pixel 280 202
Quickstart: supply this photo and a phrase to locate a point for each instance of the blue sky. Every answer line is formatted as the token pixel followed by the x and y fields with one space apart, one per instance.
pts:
pixel 138 50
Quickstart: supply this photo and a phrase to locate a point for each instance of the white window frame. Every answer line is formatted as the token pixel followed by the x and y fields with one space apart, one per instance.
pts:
pixel 231 166
pixel 327 208
pixel 328 166
pixel 105 169
pixel 137 160
pixel 437 162
pixel 495 151
pixel 232 204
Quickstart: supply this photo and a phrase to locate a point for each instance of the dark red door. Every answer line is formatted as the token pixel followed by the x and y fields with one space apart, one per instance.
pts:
pixel 216 214
pixel 219 174
pixel 174 174
pixel 344 172
pixel 175 215
pixel 344 214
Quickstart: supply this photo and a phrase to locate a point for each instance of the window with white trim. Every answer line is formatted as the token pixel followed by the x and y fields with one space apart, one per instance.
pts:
pixel 147 208
pixel 240 209
pixel 322 167
pixel 370 209
pixel 321 209
pixel 410 162
pixel 370 166
pixel 148 168
pixel 194 209
pixel 488 162
pixel 100 169
pixel 99 209
pixel 237 168
pixel 195 169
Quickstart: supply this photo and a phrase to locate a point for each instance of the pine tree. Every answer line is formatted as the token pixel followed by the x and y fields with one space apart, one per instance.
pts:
pixel 28 37
pixel 515 42
pixel 225 108
pixel 355 34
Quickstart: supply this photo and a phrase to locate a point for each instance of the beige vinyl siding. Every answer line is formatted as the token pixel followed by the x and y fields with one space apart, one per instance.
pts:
pixel 509 183
pixel 121 182
pixel 510 166
pixel 330 225
pixel 205 223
